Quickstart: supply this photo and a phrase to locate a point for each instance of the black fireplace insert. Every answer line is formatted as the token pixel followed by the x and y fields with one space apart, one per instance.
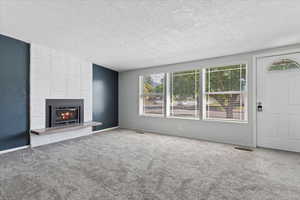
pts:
pixel 63 112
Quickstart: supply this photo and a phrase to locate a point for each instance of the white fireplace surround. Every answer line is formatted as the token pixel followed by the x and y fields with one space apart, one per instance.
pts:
pixel 57 75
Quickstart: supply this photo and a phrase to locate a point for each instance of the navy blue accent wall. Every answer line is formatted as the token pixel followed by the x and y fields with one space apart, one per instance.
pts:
pixel 105 97
pixel 14 93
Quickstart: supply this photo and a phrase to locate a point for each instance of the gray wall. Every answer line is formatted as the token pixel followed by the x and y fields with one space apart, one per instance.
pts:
pixel 226 132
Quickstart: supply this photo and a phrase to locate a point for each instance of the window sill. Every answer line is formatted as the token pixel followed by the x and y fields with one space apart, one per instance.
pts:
pixel 197 119
pixel 225 121
pixel 187 118
pixel 150 115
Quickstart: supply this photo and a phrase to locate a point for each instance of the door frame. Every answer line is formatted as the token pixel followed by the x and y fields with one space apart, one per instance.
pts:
pixel 255 85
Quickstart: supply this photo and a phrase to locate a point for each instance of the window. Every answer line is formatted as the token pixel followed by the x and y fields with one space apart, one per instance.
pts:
pixel 284 64
pixel 225 93
pixel 152 94
pixel 184 101
pixel 216 93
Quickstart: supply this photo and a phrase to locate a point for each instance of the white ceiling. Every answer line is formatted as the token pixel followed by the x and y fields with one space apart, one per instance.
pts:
pixel 130 34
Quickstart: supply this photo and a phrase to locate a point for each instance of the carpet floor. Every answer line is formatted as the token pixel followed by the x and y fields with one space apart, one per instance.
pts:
pixel 122 164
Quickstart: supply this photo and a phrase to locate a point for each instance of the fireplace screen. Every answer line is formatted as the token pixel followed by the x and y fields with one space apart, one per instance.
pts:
pixel 61 112
pixel 65 115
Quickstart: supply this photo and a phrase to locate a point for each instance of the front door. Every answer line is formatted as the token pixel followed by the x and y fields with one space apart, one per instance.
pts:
pixel 278 96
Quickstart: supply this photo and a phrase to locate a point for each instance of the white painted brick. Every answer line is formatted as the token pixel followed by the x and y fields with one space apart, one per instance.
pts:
pixel 55 75
pixel 58 94
pixel 40 67
pixel 74 67
pixel 37 122
pixel 73 87
pixel 86 75
pixel 37 107
pixel 88 115
pixel 40 88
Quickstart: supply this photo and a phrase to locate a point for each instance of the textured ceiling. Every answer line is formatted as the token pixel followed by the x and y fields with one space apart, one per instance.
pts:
pixel 130 34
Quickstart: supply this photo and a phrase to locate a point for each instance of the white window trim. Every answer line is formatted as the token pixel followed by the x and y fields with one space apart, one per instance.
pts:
pixel 169 114
pixel 141 100
pixel 152 115
pixel 189 118
pixel 226 92
pixel 202 93
pixel 226 121
pixel 167 95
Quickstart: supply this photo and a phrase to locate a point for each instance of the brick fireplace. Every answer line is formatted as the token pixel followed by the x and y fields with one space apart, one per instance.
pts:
pixel 56 75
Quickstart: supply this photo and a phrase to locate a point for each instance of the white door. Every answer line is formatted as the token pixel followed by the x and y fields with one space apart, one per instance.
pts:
pixel 278 90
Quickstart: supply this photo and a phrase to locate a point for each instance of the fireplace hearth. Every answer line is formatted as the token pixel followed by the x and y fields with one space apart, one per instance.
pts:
pixel 64 112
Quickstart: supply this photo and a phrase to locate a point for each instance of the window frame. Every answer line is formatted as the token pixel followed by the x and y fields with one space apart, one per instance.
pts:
pixel 198 99
pixel 201 95
pixel 142 95
pixel 204 93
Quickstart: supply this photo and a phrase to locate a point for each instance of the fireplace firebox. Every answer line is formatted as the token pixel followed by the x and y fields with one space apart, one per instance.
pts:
pixel 63 112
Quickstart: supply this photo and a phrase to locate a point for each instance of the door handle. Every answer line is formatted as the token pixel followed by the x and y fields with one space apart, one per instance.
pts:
pixel 259 107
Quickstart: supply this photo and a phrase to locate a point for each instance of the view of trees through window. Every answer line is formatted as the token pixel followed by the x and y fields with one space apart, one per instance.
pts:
pixel 223 96
pixel 153 94
pixel 184 94
pixel 225 92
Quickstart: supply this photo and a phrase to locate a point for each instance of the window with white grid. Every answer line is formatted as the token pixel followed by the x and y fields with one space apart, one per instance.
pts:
pixel 152 98
pixel 225 93
pixel 184 94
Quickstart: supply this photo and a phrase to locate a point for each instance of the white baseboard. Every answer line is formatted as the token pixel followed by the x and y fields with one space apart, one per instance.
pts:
pixel 192 138
pixel 14 149
pixel 107 129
